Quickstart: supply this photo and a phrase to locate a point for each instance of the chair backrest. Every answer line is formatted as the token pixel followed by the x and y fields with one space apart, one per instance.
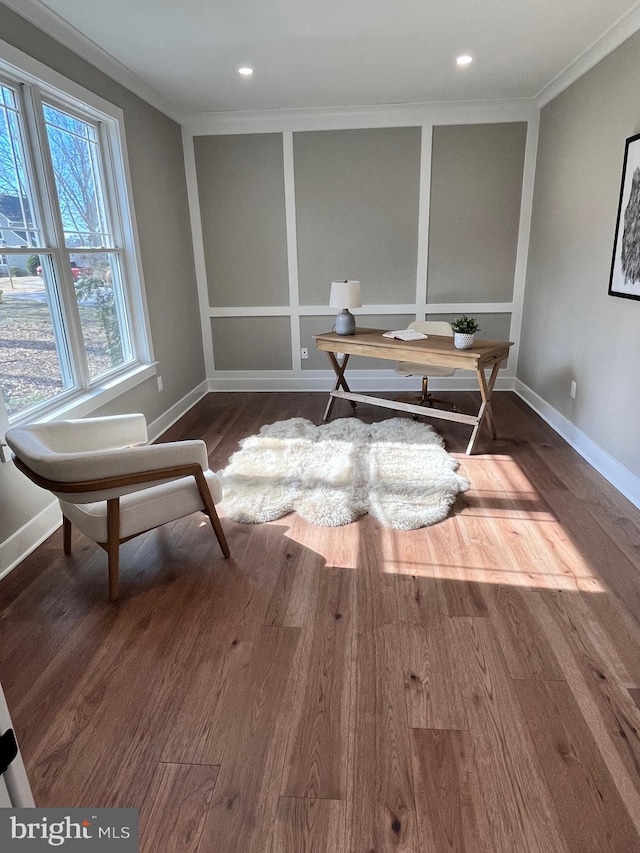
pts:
pixel 428 327
pixel 433 327
pixel 61 451
pixel 110 457
pixel 45 447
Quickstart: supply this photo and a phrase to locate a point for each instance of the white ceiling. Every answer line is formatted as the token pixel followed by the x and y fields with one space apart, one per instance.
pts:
pixel 329 53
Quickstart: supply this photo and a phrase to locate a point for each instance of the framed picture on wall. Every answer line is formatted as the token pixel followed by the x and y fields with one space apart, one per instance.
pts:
pixel 625 266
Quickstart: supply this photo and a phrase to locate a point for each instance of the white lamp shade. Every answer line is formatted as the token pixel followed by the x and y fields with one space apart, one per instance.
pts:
pixel 345 294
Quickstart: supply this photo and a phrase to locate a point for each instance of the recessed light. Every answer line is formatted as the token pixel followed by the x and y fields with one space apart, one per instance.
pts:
pixel 465 59
pixel 245 71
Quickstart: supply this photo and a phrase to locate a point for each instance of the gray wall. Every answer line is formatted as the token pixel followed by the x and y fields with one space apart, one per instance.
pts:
pixel 357 211
pixel 244 343
pixel 572 329
pixel 241 195
pixel 357 204
pixel 160 198
pixel 476 186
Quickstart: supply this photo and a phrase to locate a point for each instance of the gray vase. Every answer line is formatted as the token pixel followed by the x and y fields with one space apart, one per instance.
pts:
pixel 345 323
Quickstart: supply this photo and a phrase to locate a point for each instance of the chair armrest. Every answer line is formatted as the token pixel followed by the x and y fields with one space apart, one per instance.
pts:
pixel 112 474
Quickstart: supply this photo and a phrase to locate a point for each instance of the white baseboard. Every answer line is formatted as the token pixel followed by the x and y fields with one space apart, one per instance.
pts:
pixel 21 543
pixel 25 540
pixel 359 380
pixel 619 476
pixel 168 418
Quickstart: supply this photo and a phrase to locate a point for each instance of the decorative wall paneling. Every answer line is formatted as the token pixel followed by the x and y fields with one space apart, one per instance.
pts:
pixel 310 144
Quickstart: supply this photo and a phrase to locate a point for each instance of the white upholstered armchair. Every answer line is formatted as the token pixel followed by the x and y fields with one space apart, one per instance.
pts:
pixel 112 485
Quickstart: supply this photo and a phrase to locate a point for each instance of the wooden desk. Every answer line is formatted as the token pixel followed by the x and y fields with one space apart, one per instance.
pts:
pixel 436 350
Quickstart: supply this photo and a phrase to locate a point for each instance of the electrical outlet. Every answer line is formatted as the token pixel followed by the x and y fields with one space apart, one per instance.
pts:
pixel 574 388
pixel 160 383
pixel 5 453
pixel 304 352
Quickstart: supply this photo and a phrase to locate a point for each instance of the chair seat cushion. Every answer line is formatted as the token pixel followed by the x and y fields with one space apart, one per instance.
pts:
pixel 405 368
pixel 143 510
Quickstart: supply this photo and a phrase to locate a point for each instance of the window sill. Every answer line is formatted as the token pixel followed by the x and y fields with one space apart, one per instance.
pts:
pixel 89 401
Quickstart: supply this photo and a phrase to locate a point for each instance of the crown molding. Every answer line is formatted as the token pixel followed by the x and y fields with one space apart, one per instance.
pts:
pixel 619 32
pixel 329 118
pixel 53 25
pixel 344 118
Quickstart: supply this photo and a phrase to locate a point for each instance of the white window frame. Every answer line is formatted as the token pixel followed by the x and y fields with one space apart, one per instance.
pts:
pixel 66 94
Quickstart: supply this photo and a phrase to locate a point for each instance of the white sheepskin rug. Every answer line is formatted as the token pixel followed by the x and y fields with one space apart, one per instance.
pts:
pixel 397 470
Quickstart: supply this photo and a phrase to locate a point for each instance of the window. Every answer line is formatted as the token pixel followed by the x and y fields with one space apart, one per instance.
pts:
pixel 72 312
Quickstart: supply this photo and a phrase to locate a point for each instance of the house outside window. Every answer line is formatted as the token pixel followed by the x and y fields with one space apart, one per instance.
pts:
pixel 72 307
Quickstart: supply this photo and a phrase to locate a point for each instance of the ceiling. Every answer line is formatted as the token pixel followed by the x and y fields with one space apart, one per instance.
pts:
pixel 330 53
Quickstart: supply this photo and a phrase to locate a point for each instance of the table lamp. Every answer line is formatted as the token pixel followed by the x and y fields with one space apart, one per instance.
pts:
pixel 345 295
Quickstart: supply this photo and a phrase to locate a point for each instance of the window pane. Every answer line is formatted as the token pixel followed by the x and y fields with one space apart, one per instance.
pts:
pixel 65 322
pixel 102 312
pixel 17 227
pixel 75 156
pixel 31 369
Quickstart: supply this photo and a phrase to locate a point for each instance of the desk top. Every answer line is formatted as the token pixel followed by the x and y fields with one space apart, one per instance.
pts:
pixel 434 350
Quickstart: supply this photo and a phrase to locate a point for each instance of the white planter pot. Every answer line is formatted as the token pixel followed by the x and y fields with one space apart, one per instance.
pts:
pixel 462 341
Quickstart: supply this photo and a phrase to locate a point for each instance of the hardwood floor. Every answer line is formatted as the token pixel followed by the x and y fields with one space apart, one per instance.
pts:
pixel 471 687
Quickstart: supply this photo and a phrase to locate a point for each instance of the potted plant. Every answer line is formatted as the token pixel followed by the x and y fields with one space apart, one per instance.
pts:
pixel 464 329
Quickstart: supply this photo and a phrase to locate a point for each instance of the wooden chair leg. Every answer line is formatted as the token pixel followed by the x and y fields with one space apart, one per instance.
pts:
pixel 211 511
pixel 426 399
pixel 424 395
pixel 66 534
pixel 113 546
pixel 217 526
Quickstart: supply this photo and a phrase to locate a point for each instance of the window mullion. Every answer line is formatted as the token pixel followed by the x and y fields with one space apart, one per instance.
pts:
pixel 69 316
pixel 135 310
pixel 126 311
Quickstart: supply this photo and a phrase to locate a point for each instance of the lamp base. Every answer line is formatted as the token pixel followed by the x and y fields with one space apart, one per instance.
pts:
pixel 345 323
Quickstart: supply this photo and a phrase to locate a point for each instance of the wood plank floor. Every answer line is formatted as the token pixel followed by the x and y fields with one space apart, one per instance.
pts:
pixel 470 687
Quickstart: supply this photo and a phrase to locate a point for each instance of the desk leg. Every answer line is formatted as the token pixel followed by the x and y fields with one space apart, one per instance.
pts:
pixel 485 413
pixel 341 382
